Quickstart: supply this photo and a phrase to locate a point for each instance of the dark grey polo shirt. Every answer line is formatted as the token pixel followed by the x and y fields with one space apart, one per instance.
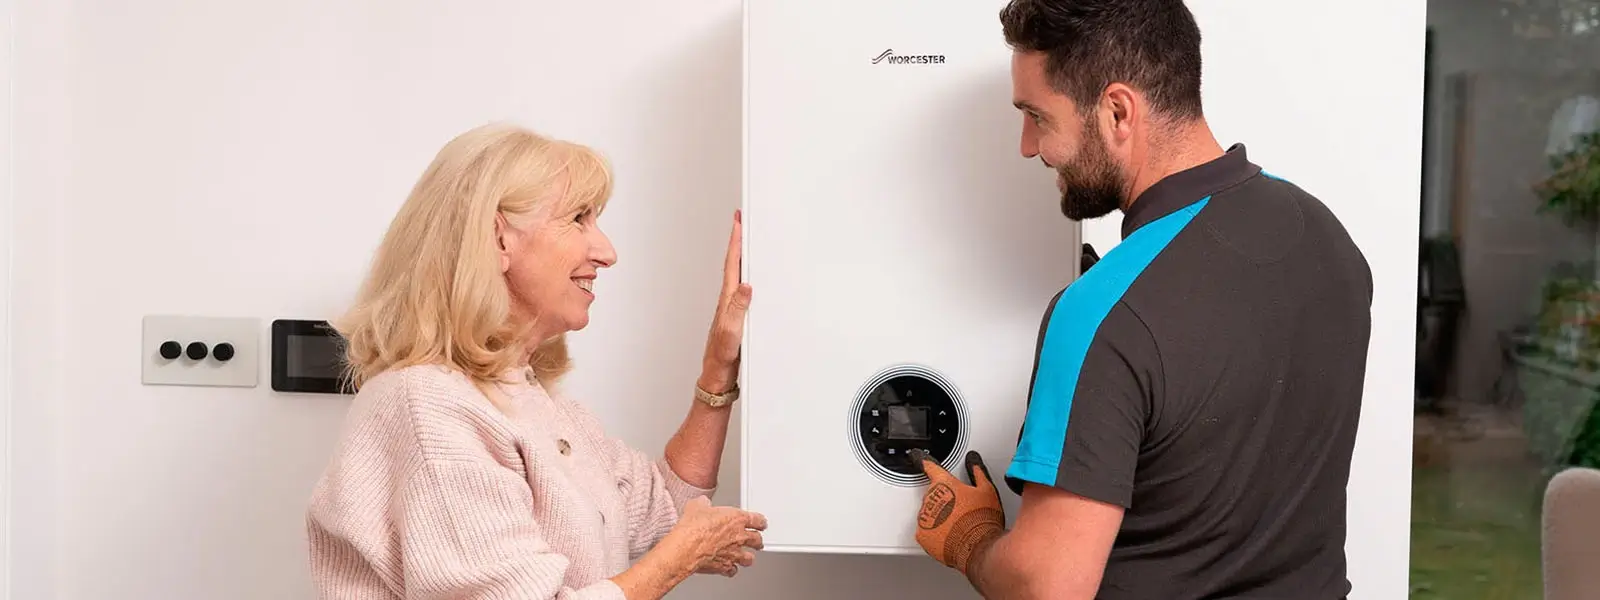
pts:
pixel 1206 375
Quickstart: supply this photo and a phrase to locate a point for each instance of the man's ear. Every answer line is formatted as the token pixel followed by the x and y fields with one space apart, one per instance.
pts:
pixel 500 230
pixel 1122 112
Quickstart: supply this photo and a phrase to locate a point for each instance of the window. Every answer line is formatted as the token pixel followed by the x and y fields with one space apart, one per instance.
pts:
pixel 1508 341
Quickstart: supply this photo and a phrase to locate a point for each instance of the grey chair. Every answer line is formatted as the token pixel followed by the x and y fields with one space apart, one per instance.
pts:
pixel 1571 535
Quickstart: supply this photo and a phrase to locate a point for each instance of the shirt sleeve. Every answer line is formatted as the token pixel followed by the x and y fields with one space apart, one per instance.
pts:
pixel 1089 402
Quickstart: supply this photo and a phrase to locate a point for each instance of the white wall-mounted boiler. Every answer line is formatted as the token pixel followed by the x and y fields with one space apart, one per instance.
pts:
pixel 904 252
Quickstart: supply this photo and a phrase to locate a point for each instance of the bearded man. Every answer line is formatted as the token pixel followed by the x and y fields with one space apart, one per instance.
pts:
pixel 1196 392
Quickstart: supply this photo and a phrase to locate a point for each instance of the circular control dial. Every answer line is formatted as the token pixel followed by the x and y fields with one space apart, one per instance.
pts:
pixel 902 409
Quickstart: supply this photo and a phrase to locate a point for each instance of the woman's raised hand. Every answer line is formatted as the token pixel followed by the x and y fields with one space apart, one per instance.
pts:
pixel 720 368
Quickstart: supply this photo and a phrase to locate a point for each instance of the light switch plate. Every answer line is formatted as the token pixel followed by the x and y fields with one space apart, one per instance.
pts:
pixel 242 335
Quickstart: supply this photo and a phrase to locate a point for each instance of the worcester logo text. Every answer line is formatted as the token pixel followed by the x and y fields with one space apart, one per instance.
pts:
pixel 890 57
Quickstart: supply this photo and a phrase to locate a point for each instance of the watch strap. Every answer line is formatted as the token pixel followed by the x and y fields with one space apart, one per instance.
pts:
pixel 716 400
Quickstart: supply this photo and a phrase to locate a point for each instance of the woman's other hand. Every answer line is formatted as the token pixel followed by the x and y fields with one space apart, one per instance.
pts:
pixel 720 369
pixel 715 539
pixel 727 564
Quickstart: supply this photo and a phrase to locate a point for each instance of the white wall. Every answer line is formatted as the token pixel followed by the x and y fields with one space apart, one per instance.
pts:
pixel 236 159
pixel 242 159
pixel 40 128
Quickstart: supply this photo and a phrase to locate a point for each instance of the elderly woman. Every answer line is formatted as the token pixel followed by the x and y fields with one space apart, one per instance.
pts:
pixel 463 471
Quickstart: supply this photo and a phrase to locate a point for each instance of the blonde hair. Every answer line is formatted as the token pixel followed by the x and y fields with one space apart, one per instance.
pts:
pixel 435 293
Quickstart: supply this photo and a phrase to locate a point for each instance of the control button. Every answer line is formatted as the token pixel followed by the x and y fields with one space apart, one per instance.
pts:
pixel 196 350
pixel 223 352
pixel 171 350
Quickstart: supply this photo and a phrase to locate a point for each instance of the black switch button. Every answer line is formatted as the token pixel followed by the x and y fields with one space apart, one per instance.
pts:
pixel 223 352
pixel 171 350
pixel 196 350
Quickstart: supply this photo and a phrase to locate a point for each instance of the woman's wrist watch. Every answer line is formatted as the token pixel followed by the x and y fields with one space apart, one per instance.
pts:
pixel 716 400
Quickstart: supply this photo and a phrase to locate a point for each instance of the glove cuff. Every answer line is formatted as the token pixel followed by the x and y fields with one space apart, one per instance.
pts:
pixel 971 536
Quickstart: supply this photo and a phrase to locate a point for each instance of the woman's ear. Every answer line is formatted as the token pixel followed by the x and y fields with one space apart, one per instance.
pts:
pixel 500 227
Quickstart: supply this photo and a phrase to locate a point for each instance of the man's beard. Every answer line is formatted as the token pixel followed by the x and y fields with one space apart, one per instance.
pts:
pixel 1092 185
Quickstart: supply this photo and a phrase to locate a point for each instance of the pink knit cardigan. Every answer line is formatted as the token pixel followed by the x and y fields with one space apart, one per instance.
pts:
pixel 435 493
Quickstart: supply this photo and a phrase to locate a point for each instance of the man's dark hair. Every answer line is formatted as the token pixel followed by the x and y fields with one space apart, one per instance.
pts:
pixel 1152 45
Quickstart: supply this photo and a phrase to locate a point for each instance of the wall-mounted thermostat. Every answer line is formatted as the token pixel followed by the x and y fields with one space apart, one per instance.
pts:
pixel 308 357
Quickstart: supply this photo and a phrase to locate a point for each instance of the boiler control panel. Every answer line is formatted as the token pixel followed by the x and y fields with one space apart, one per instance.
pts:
pixel 903 409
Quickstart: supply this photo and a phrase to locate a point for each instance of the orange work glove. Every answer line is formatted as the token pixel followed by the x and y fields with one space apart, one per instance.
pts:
pixel 958 520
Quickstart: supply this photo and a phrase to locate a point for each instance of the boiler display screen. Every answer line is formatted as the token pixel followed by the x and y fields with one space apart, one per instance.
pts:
pixel 906 423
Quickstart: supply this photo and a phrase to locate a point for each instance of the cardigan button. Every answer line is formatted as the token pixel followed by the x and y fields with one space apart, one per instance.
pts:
pixel 563 447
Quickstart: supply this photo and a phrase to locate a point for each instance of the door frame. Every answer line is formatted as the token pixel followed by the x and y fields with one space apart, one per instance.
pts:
pixel 8 109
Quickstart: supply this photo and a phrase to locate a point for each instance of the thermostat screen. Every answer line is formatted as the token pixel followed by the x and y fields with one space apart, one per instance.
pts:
pixel 315 357
pixel 907 423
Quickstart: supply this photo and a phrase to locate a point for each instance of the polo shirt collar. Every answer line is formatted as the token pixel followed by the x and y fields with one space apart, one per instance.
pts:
pixel 1188 186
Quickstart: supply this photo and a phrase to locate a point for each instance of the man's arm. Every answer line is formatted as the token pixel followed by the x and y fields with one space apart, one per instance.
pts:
pixel 1095 384
pixel 1057 549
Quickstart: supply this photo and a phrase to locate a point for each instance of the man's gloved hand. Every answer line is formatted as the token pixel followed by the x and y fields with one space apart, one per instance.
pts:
pixel 957 521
